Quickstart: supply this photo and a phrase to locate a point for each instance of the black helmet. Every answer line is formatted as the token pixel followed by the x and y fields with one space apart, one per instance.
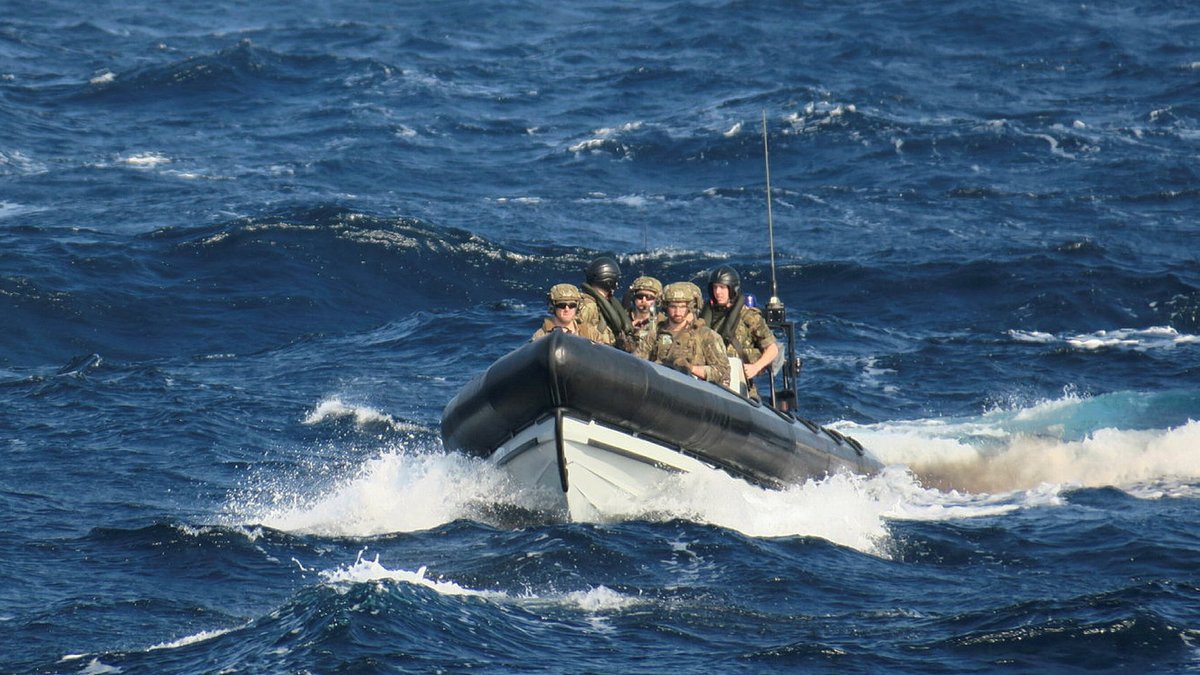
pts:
pixel 603 272
pixel 726 276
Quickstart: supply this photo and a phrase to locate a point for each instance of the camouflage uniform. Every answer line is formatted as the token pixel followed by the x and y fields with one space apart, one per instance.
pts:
pixel 577 328
pixel 754 336
pixel 589 315
pixel 646 332
pixel 693 345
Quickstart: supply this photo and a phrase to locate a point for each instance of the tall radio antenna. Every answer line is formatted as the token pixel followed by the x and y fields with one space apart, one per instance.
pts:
pixel 770 221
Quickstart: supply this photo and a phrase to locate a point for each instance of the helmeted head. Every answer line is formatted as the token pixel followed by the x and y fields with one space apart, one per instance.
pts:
pixel 563 293
pixel 604 272
pixel 646 285
pixel 726 276
pixel 680 291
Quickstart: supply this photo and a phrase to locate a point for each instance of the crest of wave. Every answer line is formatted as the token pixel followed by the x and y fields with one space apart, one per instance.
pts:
pixel 335 408
pixel 593 599
pixel 1021 449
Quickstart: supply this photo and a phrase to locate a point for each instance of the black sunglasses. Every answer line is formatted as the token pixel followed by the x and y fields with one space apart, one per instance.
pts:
pixel 644 296
pixel 566 305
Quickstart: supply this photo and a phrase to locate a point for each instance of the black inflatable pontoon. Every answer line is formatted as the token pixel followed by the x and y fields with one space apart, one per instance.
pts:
pixel 563 374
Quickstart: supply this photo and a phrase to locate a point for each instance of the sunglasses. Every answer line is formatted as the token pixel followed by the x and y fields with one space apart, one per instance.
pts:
pixel 566 305
pixel 644 296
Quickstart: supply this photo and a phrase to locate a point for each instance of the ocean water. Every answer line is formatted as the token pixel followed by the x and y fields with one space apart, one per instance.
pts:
pixel 248 251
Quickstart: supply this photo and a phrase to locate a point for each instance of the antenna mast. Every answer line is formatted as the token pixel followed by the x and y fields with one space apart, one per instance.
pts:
pixel 776 311
pixel 770 220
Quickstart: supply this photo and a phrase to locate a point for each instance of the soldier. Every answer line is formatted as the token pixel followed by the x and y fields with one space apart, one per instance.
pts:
pixel 601 310
pixel 640 301
pixel 564 305
pixel 742 328
pixel 683 342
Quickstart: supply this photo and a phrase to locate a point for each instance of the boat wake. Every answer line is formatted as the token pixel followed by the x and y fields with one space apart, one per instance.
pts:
pixel 1130 441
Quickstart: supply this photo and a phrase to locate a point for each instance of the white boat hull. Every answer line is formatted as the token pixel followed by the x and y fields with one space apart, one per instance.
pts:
pixel 593 471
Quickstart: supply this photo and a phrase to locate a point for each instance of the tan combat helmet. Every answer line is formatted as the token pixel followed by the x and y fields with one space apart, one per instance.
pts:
pixel 563 293
pixel 646 284
pixel 677 292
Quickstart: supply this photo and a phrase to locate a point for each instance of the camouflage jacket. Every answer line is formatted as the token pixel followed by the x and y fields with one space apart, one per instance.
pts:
pixel 580 329
pixel 751 332
pixel 589 315
pixel 646 333
pixel 694 345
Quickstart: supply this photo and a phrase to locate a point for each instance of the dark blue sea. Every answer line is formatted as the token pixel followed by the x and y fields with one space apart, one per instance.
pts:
pixel 248 252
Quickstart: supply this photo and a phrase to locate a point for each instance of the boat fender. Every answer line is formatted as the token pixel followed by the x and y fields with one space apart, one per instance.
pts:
pixel 858 447
pixel 812 426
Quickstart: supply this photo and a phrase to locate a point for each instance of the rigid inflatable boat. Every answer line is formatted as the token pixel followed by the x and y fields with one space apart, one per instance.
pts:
pixel 601 429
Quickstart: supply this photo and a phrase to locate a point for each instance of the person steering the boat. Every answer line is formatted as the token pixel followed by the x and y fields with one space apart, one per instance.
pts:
pixel 743 328
pixel 564 307
pixel 601 310
pixel 684 342
pixel 640 301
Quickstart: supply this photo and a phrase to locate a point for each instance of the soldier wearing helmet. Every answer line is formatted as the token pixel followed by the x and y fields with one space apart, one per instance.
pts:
pixel 742 328
pixel 599 308
pixel 640 301
pixel 683 342
pixel 564 302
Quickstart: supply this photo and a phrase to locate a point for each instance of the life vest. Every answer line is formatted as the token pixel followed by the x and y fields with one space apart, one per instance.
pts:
pixel 614 315
pixel 725 323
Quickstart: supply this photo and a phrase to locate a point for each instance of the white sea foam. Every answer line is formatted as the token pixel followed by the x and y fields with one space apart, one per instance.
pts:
pixel 1024 449
pixel 847 510
pixel 397 491
pixel 334 408
pixel 602 136
pixel 9 209
pixel 1054 147
pixel 1132 339
pixel 589 144
pixel 103 78
pixel 367 571
pixel 202 636
pixel 596 600
pixel 636 201
pixel 146 160
pixel 600 599
pixel 17 162
pixel 96 667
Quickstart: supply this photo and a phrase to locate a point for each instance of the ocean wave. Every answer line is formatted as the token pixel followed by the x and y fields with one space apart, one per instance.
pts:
pixel 362 416
pixel 1144 339
pixel 370 571
pixel 17 163
pixel 241 69
pixel 595 600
